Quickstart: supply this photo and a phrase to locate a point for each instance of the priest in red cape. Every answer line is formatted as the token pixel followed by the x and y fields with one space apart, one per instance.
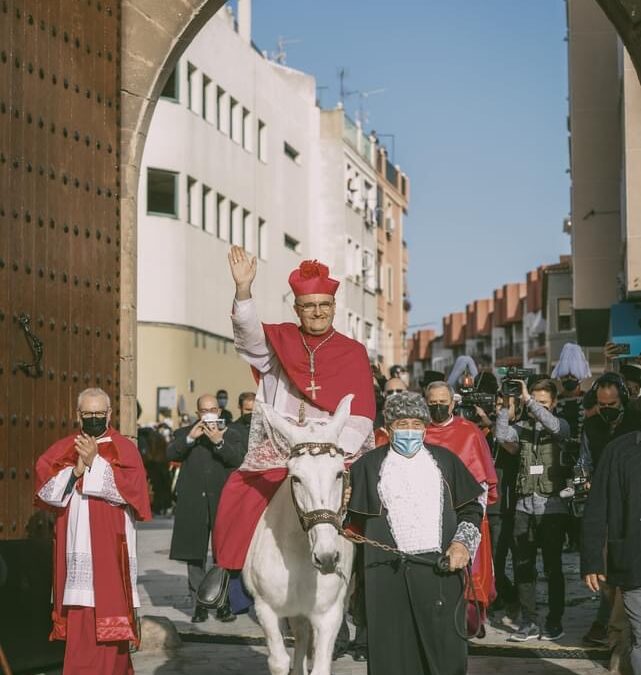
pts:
pixel 95 483
pixel 467 441
pixel 303 371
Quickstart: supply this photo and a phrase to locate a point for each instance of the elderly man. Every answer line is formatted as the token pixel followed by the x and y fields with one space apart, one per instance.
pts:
pixel 209 452
pixel 420 499
pixel 95 483
pixel 304 371
pixel 469 444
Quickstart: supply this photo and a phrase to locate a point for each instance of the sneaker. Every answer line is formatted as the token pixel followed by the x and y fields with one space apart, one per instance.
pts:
pixel 553 632
pixel 597 635
pixel 527 631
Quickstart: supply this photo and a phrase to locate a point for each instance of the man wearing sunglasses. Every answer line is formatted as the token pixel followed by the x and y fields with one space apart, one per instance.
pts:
pixel 95 483
pixel 303 371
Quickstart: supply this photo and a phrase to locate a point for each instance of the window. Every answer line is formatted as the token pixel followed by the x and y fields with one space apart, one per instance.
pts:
pixel 234 121
pixel 191 200
pixel 389 286
pixel 369 271
pixel 170 90
pixel 206 98
pixel 206 209
pixel 191 82
pixel 246 130
pixel 161 192
pixel 233 224
pixel 291 152
pixel 222 117
pixel 262 239
pixel 246 230
pixel 379 271
pixel 262 141
pixel 565 319
pixel 221 215
pixel 370 341
pixel 291 243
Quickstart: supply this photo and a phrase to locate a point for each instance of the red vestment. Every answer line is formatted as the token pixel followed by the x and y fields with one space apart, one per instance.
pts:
pixel 113 615
pixel 467 441
pixel 342 367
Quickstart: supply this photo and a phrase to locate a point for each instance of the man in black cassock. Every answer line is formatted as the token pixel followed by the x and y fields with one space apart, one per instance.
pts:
pixel 422 500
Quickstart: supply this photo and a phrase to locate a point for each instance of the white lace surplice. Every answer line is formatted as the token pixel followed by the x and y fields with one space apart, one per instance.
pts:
pixel 98 482
pixel 411 489
pixel 266 449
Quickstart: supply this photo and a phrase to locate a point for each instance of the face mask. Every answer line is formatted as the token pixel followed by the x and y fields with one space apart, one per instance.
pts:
pixel 610 415
pixel 222 401
pixel 407 442
pixel 570 384
pixel 439 412
pixel 246 419
pixel 93 426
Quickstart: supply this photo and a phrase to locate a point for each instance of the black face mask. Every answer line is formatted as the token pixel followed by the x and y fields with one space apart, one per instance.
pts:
pixel 94 426
pixel 610 415
pixel 570 384
pixel 246 419
pixel 439 412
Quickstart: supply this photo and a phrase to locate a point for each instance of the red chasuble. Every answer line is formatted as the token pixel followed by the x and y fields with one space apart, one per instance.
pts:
pixel 467 441
pixel 342 367
pixel 114 610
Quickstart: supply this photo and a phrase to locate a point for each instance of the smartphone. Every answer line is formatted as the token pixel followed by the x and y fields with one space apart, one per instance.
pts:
pixel 620 348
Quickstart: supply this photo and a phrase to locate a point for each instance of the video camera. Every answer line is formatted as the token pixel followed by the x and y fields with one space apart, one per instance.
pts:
pixel 577 491
pixel 511 383
pixel 470 400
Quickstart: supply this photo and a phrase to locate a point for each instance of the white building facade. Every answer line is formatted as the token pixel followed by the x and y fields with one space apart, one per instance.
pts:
pixel 230 159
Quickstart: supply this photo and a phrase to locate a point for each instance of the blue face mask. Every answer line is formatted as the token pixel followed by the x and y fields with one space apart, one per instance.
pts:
pixel 407 442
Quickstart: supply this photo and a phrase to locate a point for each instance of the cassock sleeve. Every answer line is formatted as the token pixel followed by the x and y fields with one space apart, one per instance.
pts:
pixel 249 336
pixel 99 482
pixel 54 491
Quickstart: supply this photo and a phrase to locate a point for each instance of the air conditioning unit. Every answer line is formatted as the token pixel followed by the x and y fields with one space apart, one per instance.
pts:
pixel 390 225
pixel 368 262
pixel 370 216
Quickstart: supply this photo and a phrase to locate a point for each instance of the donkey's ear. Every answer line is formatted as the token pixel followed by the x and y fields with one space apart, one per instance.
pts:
pixel 342 413
pixel 276 422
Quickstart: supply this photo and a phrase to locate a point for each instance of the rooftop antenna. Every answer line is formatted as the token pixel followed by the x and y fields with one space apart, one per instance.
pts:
pixel 342 74
pixel 361 115
pixel 280 55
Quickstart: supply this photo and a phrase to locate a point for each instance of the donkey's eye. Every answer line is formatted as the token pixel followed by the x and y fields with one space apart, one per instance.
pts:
pixel 295 479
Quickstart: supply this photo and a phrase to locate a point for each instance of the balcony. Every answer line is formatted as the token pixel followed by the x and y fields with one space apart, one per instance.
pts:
pixel 391 173
pixel 509 354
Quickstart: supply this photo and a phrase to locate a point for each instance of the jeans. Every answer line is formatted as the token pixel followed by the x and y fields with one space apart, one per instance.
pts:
pixel 632 604
pixel 547 532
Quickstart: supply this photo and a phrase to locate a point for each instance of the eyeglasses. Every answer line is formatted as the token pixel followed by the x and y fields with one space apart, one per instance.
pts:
pixel 322 307
pixel 389 392
pixel 202 411
pixel 98 414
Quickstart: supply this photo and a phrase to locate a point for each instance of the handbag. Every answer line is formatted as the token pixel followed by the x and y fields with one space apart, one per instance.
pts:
pixel 212 592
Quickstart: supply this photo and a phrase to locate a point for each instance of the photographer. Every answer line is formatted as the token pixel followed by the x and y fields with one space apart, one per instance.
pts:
pixel 540 516
pixel 208 452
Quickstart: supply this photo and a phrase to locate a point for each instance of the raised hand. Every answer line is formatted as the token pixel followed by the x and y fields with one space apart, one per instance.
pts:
pixel 243 270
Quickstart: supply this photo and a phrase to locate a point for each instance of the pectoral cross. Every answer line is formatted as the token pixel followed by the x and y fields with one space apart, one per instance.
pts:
pixel 313 388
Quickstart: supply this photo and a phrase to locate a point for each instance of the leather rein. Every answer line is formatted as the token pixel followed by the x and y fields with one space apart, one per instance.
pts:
pixel 309 519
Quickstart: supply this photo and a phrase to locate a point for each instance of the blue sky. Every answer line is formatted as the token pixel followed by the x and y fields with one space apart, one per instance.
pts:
pixel 476 97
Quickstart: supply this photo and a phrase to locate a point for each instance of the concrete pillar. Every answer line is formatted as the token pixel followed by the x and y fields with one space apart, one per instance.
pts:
pixel 245 20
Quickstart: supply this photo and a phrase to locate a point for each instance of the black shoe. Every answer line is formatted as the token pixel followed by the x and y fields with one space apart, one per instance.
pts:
pixel 359 654
pixel 200 614
pixel 553 631
pixel 339 652
pixel 225 615
pixel 527 631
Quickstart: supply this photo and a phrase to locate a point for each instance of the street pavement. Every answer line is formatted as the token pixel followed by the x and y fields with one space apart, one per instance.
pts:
pixel 237 648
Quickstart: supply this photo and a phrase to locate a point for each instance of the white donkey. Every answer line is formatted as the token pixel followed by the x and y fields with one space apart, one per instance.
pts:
pixel 298 566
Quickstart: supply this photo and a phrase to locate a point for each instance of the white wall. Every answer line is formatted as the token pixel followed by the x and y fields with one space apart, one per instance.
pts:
pixel 183 273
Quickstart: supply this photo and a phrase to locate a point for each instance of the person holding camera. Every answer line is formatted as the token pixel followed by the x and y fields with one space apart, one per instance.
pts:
pixel 208 451
pixel 541 514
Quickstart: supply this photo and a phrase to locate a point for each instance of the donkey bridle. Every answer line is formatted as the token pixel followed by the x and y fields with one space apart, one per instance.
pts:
pixel 310 519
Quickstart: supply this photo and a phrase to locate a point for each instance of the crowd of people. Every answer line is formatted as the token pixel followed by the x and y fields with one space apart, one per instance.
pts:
pixel 453 479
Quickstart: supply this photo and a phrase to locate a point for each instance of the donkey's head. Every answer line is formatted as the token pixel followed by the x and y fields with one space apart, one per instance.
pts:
pixel 316 470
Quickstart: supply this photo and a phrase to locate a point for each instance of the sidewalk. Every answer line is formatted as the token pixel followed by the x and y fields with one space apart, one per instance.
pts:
pixel 215 647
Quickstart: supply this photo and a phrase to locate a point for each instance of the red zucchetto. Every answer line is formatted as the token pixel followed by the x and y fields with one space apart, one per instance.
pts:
pixel 312 277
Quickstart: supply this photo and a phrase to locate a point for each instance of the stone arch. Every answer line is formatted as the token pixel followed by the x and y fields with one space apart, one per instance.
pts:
pixel 154 35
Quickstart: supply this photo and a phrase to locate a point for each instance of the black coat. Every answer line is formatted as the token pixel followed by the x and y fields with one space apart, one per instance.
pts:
pixel 411 610
pixel 612 518
pixel 203 473
pixel 597 433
